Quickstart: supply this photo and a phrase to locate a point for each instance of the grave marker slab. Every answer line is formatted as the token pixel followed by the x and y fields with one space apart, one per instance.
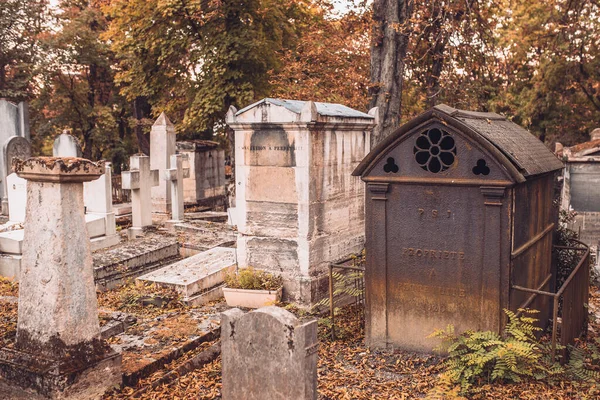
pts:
pixel 268 354
pixel 66 145
pixel 17 197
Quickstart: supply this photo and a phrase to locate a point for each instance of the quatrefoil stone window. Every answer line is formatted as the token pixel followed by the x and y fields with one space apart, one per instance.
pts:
pixel 435 150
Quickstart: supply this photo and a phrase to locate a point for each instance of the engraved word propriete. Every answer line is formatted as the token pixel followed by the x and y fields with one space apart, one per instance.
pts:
pixel 433 254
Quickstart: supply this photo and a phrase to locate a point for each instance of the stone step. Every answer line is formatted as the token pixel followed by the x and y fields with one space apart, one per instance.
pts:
pixel 197 275
pixel 214 216
pixel 114 266
pixel 122 209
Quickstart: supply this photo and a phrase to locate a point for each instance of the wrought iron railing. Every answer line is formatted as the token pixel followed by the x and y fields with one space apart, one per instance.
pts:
pixel 574 294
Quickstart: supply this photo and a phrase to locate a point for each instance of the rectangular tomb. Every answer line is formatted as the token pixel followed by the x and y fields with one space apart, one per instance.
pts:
pixel 298 207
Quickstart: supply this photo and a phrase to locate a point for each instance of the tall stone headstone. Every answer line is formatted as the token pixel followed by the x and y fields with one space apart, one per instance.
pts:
pixel 268 354
pixel 162 147
pixel 140 179
pixel 58 350
pixel 9 120
pixel 14 147
pixel 66 145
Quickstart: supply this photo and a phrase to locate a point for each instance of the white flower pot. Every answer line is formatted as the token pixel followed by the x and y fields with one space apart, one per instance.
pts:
pixel 251 298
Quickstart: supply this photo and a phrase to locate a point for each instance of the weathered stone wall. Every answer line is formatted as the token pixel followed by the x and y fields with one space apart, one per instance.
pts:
pixel 268 354
pixel 299 206
pixel 206 183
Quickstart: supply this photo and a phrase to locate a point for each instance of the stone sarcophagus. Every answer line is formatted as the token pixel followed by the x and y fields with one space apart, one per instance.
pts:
pixel 459 207
pixel 298 206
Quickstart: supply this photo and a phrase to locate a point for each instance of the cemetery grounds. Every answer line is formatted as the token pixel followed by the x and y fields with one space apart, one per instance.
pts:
pixel 171 351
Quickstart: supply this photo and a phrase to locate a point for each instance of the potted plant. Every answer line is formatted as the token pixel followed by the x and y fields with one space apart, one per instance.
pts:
pixel 252 288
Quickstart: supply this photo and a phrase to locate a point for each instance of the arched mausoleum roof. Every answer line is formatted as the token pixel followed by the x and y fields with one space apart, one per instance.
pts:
pixel 520 151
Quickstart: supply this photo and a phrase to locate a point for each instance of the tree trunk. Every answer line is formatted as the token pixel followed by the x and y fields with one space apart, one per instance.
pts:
pixel 139 106
pixel 388 50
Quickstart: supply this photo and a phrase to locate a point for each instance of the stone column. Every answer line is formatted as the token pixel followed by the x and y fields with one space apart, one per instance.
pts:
pixel 162 147
pixel 376 326
pixel 58 350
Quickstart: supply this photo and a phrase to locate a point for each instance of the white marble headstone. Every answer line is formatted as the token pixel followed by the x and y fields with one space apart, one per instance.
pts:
pixel 66 145
pixel 17 197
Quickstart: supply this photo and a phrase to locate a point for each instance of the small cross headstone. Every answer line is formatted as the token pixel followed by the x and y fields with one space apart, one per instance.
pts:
pixel 175 175
pixel 268 354
pixel 140 179
pixel 66 145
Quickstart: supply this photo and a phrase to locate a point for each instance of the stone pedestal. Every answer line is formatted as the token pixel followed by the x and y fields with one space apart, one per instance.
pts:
pixel 58 350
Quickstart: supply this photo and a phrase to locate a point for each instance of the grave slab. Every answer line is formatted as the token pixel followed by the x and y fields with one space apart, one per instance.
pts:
pixel 116 265
pixel 197 274
pixel 122 209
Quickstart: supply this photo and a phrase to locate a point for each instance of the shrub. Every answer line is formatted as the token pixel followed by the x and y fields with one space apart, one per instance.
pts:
pixel 249 278
pixel 476 358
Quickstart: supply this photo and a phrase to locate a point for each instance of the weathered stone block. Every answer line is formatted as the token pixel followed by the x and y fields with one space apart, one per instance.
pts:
pixel 268 354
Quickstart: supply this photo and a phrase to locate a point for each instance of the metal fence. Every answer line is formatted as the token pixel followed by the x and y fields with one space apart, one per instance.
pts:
pixel 348 288
pixel 119 195
pixel 574 294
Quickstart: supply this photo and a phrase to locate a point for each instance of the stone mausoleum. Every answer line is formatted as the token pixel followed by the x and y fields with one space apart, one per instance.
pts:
pixel 459 213
pixel 298 206
pixel 581 186
pixel 206 183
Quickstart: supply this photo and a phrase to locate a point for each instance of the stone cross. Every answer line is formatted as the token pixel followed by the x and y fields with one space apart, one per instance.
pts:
pixel 66 145
pixel 268 354
pixel 140 179
pixel 58 350
pixel 175 176
pixel 162 147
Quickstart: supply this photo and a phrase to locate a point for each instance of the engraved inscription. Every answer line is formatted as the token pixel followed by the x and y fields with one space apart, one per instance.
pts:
pixel 275 148
pixel 434 213
pixel 433 254
pixel 439 290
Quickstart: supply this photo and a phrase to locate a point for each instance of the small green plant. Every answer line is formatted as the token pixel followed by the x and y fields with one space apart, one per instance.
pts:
pixel 584 362
pixel 345 284
pixel 250 278
pixel 476 358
